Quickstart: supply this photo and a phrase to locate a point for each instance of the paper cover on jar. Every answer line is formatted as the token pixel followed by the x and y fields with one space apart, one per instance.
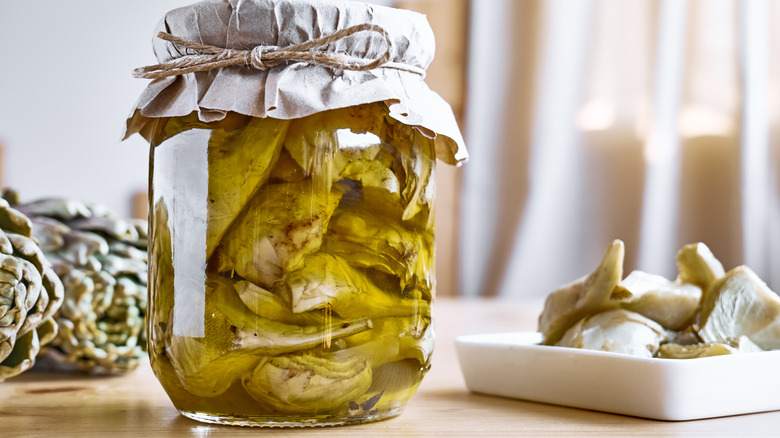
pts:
pixel 298 89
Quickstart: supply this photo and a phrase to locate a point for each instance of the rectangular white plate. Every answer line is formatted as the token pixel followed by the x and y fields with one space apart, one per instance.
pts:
pixel 514 365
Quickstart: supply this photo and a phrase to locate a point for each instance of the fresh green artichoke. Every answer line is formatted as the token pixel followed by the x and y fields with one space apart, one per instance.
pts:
pixel 30 294
pixel 101 261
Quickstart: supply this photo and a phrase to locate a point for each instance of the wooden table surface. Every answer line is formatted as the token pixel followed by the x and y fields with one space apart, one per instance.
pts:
pixel 41 404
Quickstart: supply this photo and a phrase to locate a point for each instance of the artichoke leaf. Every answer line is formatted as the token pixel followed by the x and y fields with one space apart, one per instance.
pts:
pixel 707 349
pixel 587 296
pixel 271 306
pixel 617 330
pixel 294 219
pixel 391 339
pixel 328 280
pixel 236 339
pixel 740 304
pixel 372 166
pixel 420 189
pixel 671 304
pixel 308 384
pixel 370 240
pixel 302 139
pixel 252 332
pixel 161 269
pixel 240 162
pixel 162 129
pixel 22 356
pixel 697 265
pixel 423 283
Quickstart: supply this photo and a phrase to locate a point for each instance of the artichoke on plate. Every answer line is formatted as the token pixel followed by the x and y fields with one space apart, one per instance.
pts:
pixel 706 349
pixel 671 304
pixel 102 263
pixel 618 330
pixel 30 293
pixel 740 304
pixel 697 265
pixel 587 296
pixel 705 312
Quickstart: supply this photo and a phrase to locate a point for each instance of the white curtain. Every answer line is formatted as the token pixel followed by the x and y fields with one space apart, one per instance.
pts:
pixel 649 121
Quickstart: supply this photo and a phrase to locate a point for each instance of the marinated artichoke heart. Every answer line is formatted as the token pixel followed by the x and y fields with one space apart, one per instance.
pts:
pixel 372 166
pixel 30 294
pixel 419 167
pixel 740 304
pixel 585 297
pixel 308 383
pixel 236 339
pixel 273 306
pixel 294 220
pixel 314 145
pixel 329 281
pixel 240 162
pixel 371 240
pixel 697 265
pixel 392 339
pixel 705 312
pixel 671 304
pixel 618 330
pixel 677 351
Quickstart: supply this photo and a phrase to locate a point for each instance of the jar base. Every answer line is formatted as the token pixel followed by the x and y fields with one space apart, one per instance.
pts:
pixel 290 421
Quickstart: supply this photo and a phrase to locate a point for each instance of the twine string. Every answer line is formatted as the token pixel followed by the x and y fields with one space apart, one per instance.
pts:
pixel 262 58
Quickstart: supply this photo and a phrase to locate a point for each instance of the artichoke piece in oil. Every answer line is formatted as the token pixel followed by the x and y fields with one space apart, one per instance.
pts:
pixel 308 384
pixel 369 240
pixel 329 281
pixel 282 224
pixel 236 339
pixel 240 162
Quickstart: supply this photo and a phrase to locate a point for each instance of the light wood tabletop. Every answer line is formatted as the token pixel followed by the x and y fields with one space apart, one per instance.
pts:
pixel 43 404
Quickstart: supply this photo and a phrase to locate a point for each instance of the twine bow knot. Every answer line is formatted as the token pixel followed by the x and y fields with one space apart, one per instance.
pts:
pixel 263 58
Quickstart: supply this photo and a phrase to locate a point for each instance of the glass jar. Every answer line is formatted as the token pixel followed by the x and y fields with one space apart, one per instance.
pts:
pixel 292 184
pixel 291 265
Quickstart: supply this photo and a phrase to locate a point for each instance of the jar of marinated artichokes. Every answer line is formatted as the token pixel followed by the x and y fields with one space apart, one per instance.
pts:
pixel 292 185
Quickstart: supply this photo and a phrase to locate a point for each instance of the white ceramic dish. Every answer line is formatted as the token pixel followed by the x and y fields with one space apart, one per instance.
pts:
pixel 514 365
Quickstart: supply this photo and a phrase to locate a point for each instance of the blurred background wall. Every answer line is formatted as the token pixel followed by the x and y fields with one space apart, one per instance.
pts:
pixel 650 121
